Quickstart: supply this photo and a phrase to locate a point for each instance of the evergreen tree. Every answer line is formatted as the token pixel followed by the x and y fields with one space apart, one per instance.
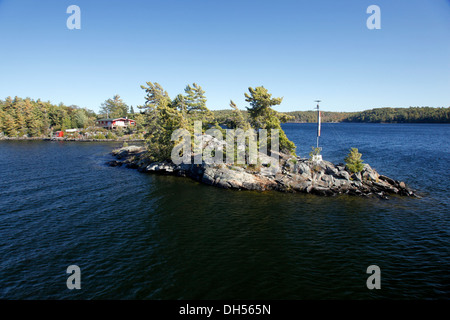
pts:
pixel 156 96
pixel 19 117
pixel 195 103
pixel 353 161
pixel 114 108
pixel 21 125
pixel 161 119
pixel 180 103
pixel 9 125
pixel 81 119
pixel 2 115
pixel 237 119
pixel 262 116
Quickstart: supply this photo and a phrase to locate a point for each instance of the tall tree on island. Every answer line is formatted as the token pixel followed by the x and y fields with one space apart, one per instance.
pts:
pixel 196 109
pixel 262 116
pixel 163 116
pixel 155 97
pixel 161 119
pixel 237 120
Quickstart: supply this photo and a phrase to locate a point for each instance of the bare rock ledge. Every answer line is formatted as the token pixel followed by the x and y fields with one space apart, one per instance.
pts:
pixel 295 175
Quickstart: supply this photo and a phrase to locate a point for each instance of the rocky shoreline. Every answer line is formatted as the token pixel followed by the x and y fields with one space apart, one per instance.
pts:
pixel 68 139
pixel 295 175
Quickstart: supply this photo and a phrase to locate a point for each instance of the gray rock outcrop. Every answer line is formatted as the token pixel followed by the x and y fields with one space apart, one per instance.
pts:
pixel 292 175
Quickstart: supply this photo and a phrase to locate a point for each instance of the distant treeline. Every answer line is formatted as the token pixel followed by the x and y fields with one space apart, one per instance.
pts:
pixel 402 115
pixel 387 115
pixel 311 116
pixel 35 118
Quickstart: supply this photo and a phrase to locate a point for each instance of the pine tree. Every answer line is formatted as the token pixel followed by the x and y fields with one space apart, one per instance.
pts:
pixel 165 120
pixel 180 103
pixel 262 116
pixel 161 120
pixel 156 96
pixel 195 102
pixel 2 115
pixel 237 119
pixel 81 119
pixel 114 108
pixel 353 161
pixel 21 125
pixel 9 125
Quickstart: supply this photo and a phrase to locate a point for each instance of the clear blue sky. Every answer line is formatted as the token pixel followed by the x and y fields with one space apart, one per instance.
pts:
pixel 301 50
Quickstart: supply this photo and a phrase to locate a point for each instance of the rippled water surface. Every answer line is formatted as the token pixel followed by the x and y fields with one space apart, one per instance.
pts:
pixel 139 236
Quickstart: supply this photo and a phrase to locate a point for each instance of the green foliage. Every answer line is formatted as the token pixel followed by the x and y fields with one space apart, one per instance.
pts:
pixel 114 108
pixel 159 144
pixel 377 115
pixel 81 119
pixel 261 103
pixel 34 118
pixel 140 122
pixel 194 102
pixel 156 96
pixel 353 161
pixel 100 136
pixel 161 119
pixel 314 152
pixel 237 120
pixel 262 116
pixel 9 125
pixel 409 115
pixel 311 116
pixel 162 116
pixel 110 135
pixel 120 132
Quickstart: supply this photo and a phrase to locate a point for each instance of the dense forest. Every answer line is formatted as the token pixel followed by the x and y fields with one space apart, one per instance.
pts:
pixel 386 115
pixel 223 116
pixel 311 116
pixel 163 115
pixel 402 115
pixel 35 118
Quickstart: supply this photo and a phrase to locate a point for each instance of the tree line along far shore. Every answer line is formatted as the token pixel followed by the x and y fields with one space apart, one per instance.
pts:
pixel 26 117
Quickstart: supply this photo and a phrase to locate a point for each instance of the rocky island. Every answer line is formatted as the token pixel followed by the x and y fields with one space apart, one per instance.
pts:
pixel 294 175
pixel 172 124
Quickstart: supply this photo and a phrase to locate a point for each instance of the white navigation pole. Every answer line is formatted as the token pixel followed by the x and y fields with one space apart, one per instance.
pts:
pixel 318 157
pixel 318 122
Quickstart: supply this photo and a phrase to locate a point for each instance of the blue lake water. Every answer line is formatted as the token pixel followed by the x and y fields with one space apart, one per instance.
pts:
pixel 140 236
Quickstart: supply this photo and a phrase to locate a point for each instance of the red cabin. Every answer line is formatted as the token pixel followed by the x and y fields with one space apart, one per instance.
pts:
pixel 116 123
